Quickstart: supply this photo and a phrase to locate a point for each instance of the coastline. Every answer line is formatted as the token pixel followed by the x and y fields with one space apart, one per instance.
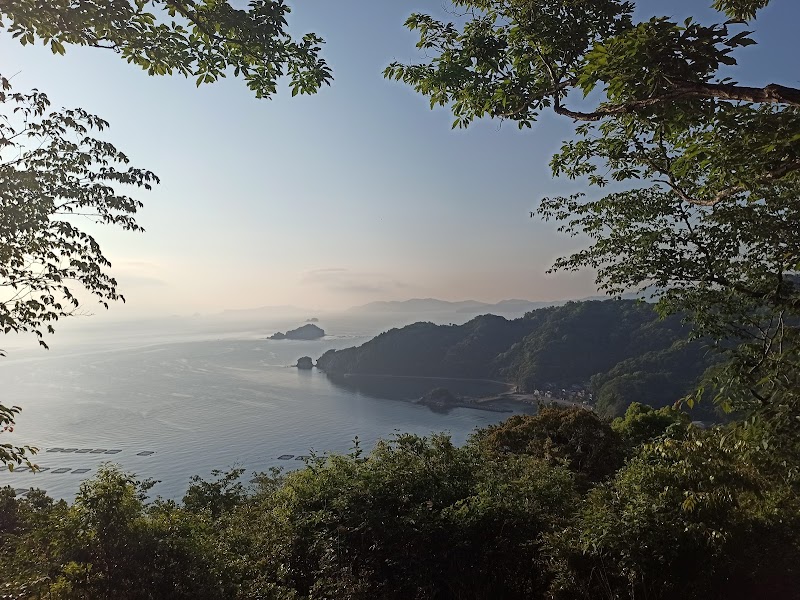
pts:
pixel 516 398
pixel 505 402
pixel 484 403
pixel 380 376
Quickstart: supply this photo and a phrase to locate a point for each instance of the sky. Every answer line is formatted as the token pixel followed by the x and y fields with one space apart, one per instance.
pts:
pixel 356 194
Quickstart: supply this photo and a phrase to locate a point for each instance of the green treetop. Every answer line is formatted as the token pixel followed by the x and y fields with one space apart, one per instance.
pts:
pixel 202 39
pixel 710 168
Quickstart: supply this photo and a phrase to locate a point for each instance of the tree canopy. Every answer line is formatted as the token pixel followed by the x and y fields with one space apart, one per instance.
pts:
pixel 550 351
pixel 203 39
pixel 54 175
pixel 707 168
pixel 557 506
pixel 51 171
pixel 561 505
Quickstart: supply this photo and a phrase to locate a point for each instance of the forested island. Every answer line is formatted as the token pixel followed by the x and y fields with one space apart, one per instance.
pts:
pixel 613 353
pixel 304 332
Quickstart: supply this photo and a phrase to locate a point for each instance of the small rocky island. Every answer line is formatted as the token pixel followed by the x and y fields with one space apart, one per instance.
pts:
pixel 306 332
pixel 305 363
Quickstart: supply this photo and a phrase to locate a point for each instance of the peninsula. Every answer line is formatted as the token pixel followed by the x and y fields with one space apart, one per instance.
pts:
pixel 551 353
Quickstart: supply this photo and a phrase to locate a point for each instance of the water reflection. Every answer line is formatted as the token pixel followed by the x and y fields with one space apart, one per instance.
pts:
pixel 412 388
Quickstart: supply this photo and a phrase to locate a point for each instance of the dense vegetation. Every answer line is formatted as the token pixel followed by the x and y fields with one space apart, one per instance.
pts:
pixel 559 505
pixel 621 350
pixel 425 349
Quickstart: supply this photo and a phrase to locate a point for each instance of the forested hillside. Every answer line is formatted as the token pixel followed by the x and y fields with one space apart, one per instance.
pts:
pixel 429 350
pixel 619 349
pixel 564 505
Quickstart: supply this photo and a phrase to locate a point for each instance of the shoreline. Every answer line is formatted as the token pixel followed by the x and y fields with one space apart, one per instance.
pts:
pixel 531 400
pixel 505 402
pixel 378 375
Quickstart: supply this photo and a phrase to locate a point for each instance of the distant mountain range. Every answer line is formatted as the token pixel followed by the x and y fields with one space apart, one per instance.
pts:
pixel 414 306
pixel 514 306
pixel 422 307
pixel 433 305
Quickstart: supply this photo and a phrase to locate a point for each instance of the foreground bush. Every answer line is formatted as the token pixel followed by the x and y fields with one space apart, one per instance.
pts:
pixel 560 505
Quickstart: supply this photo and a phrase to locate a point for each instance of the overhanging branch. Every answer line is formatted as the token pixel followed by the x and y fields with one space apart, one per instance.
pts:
pixel 770 94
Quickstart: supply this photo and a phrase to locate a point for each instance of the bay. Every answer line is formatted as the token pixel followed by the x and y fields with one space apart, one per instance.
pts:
pixel 181 399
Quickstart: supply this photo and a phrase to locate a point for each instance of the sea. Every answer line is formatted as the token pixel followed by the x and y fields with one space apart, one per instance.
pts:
pixel 169 399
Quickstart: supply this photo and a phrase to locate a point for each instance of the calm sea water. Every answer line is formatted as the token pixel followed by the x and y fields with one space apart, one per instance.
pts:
pixel 197 401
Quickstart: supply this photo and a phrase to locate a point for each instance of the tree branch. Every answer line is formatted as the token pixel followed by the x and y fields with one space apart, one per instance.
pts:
pixel 685 90
pixel 770 94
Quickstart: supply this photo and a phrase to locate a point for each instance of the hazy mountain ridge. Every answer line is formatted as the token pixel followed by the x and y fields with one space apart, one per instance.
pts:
pixel 419 307
pixel 508 306
pixel 434 305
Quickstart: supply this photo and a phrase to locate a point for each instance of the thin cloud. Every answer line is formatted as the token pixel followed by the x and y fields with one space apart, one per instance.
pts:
pixel 132 273
pixel 344 281
pixel 315 272
pixel 141 281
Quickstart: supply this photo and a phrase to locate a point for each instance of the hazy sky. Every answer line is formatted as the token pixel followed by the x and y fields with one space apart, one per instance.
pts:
pixel 359 193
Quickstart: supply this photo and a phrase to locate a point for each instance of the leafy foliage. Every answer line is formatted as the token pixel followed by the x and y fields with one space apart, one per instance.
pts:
pixel 11 455
pixel 658 377
pixel 558 506
pixel 740 9
pixel 575 437
pixel 564 349
pixel 542 507
pixel 686 518
pixel 425 349
pixel 642 423
pixel 512 60
pixel 52 174
pixel 110 543
pixel 203 39
pixel 417 518
pixel 216 497
pixel 710 167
